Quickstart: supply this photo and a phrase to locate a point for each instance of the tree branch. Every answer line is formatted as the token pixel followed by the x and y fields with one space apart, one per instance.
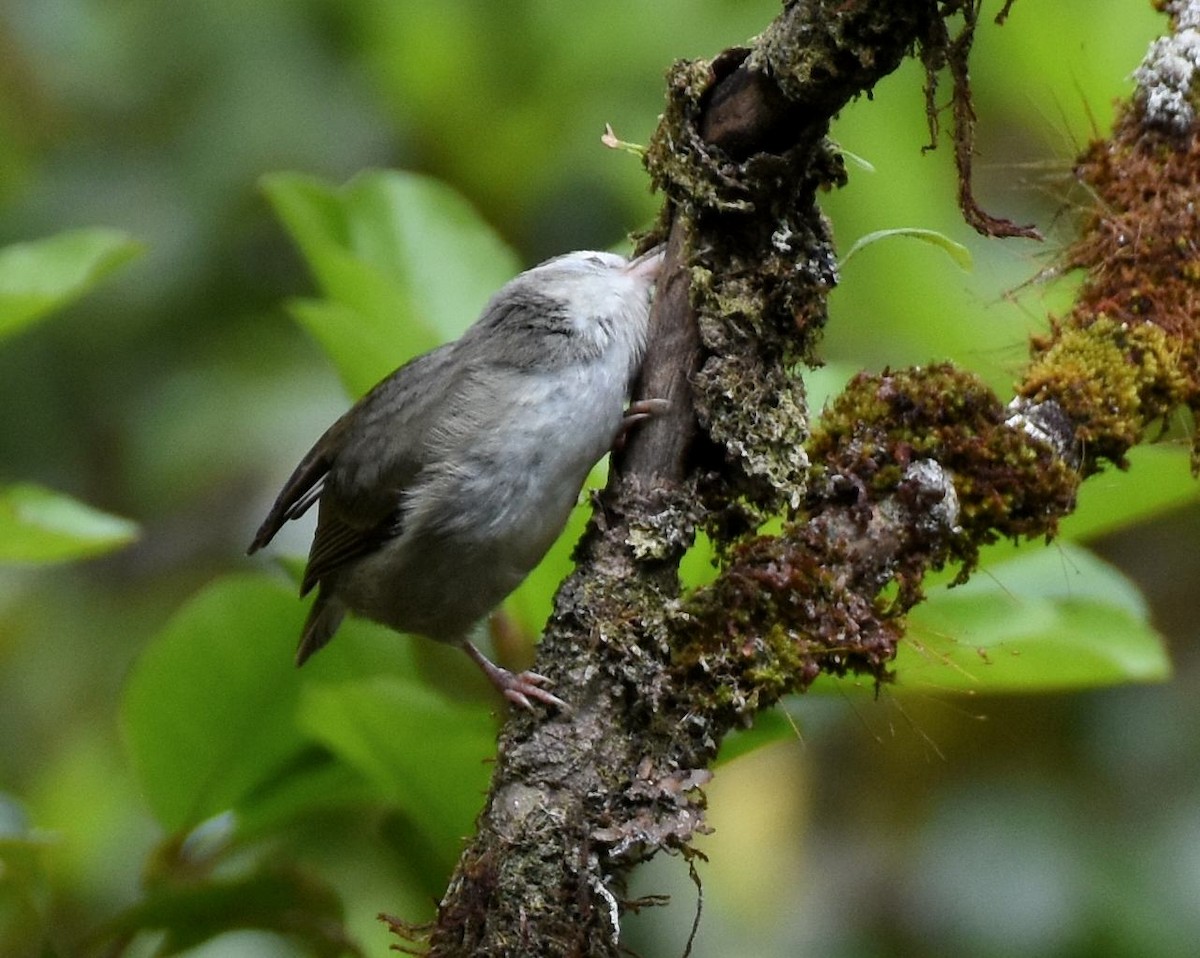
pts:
pixel 910 470
pixel 577 799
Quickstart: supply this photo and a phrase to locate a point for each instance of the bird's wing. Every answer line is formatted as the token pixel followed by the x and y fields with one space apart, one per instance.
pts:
pixel 304 487
pixel 342 537
pixel 376 458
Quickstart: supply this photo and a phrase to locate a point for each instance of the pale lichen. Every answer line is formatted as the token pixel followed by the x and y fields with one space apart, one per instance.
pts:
pixel 759 271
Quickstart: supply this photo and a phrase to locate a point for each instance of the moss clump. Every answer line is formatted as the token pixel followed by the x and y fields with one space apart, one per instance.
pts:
pixel 759 273
pixel 1110 379
pixel 1129 351
pixel 1007 486
pixel 913 469
pixel 788 613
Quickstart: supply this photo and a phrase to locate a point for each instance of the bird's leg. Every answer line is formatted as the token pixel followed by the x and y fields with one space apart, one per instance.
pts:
pixel 637 412
pixel 518 689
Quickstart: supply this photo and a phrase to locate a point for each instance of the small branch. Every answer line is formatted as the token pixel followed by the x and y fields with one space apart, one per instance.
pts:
pixel 941 51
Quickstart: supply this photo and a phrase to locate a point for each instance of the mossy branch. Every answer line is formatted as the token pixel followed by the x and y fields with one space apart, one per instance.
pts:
pixel 911 470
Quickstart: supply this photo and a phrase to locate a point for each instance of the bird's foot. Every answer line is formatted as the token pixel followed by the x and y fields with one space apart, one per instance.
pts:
pixel 637 412
pixel 518 688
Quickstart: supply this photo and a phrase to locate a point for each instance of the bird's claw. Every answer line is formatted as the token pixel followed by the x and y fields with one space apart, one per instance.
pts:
pixel 637 412
pixel 519 689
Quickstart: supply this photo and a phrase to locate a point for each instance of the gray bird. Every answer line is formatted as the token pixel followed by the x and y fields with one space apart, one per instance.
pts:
pixel 446 484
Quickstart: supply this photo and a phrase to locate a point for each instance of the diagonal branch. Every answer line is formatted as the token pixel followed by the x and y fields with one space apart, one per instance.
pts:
pixel 577 799
pixel 913 469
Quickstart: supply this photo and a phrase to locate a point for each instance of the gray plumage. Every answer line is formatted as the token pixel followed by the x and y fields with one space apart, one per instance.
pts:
pixel 445 485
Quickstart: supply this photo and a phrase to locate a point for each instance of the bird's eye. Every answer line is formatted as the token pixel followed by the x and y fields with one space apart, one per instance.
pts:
pixel 596 260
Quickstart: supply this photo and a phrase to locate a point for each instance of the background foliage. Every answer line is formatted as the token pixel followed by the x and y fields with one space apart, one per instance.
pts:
pixel 146 694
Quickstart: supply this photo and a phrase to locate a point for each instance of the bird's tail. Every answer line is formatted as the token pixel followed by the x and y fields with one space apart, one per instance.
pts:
pixel 324 618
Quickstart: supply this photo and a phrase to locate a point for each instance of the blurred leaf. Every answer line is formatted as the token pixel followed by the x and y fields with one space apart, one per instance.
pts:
pixel 1159 479
pixel 362 649
pixel 40 525
pixel 773 725
pixel 208 712
pixel 405 260
pixel 426 752
pixel 308 786
pixel 956 251
pixel 41 276
pixel 355 343
pixel 25 889
pixel 1054 618
pixel 270 898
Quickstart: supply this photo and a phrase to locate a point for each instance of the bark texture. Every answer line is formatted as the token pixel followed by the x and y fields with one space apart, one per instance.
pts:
pixel 910 470
pixel 578 799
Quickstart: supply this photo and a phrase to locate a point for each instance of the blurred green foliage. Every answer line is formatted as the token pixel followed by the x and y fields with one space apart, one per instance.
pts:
pixel 165 767
pixel 36 278
pixel 404 262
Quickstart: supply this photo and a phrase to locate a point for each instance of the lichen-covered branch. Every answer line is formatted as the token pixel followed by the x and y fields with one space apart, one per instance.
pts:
pixel 909 471
pixel 913 469
pixel 1128 354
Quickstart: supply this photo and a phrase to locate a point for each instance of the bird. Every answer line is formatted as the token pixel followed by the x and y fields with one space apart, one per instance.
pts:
pixel 441 488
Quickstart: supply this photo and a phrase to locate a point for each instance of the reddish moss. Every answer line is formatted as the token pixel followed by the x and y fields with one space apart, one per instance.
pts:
pixel 1128 352
pixel 1007 486
pixel 787 613
pixel 829 594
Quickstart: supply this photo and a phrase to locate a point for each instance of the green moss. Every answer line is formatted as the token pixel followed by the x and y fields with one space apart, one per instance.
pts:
pixel 759 273
pixel 1110 379
pixel 1136 321
pixel 1007 486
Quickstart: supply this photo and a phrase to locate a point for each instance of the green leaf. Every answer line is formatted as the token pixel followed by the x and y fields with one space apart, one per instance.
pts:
pixel 1159 479
pixel 427 753
pixel 270 897
pixel 208 712
pixel 316 782
pixel 404 260
pixel 41 276
pixel 956 251
pixel 358 346
pixel 1053 619
pixel 854 159
pixel 40 525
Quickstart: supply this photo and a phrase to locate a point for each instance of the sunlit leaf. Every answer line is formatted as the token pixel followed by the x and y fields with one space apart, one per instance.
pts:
pixel 1055 618
pixel 1159 479
pixel 404 261
pixel 40 525
pixel 41 276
